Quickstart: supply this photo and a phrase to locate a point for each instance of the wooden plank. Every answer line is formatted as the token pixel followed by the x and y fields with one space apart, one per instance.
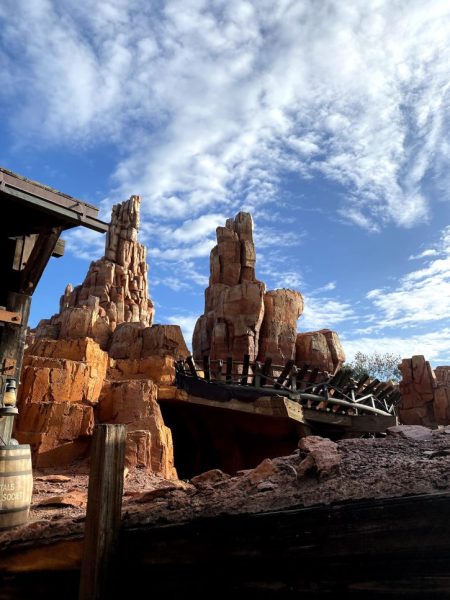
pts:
pixel 191 365
pixel 257 374
pixel 265 406
pixel 13 336
pixel 7 316
pixel 103 514
pixel 24 246
pixel 293 383
pixel 284 374
pixel 59 249
pixel 39 257
pixel 229 375
pixel 207 367
pixel 266 370
pixel 245 367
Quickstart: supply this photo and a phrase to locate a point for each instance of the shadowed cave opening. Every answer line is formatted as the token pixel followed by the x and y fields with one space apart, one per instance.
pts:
pixel 207 438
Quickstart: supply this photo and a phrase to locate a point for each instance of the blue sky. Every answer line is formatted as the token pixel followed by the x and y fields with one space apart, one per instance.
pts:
pixel 327 120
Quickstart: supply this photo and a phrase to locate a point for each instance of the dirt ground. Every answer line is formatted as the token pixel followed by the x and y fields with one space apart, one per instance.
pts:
pixel 409 460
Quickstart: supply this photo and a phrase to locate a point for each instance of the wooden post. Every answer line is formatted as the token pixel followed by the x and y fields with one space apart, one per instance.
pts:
pixel 257 374
pixel 207 367
pixel 245 367
pixel 266 370
pixel 229 375
pixel 294 373
pixel 192 367
pixel 103 510
pixel 284 374
pixel 219 369
pixel 12 343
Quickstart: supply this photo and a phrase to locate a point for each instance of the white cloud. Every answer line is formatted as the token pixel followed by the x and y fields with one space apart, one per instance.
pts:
pixel 211 102
pixel 424 254
pixel 85 243
pixel 324 313
pixel 422 295
pixel 434 345
pixel 187 324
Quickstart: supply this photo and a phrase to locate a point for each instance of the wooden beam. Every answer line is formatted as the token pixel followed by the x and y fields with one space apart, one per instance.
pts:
pixel 266 370
pixel 229 374
pixel 245 367
pixel 191 365
pixel 13 337
pixel 7 316
pixel 207 367
pixel 39 257
pixel 103 513
pixel 284 374
pixel 264 406
pixel 59 249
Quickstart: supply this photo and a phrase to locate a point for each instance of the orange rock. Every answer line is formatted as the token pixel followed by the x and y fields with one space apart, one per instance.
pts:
pixel 138 452
pixel 57 432
pixel 441 405
pixel 133 403
pixel 278 333
pixel 417 388
pixel 160 369
pixel 319 349
pixel 60 380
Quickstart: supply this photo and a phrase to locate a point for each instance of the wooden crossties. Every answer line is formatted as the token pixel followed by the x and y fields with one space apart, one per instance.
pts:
pixel 334 401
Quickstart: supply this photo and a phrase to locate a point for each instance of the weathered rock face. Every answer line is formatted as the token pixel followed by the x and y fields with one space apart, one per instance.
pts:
pixel 234 300
pixel 133 402
pixel 278 333
pixel 115 289
pixel 242 318
pixel 63 371
pixel 417 389
pixel 319 349
pixel 425 394
pixel 100 359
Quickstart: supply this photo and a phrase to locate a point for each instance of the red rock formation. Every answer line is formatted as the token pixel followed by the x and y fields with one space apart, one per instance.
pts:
pixel 242 318
pixel 417 389
pixel 100 358
pixel 319 349
pixel 425 394
pixel 133 402
pixel 277 338
pixel 441 402
pixel 234 300
pixel 115 289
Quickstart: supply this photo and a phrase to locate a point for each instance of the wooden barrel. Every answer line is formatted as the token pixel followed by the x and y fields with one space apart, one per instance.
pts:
pixel 16 485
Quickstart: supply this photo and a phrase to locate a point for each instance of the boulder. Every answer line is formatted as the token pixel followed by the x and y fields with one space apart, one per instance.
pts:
pixel 319 349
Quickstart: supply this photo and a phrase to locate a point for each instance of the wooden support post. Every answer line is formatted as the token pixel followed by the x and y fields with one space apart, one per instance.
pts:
pixel 229 375
pixel 266 370
pixel 219 369
pixel 103 510
pixel 207 367
pixel 191 365
pixel 245 367
pixel 284 374
pixel 12 343
pixel 294 373
pixel 40 255
pixel 257 374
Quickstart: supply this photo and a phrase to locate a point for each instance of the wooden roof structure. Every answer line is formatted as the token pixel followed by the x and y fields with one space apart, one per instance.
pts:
pixel 34 216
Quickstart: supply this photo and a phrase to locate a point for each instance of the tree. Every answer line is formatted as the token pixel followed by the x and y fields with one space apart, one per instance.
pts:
pixel 375 365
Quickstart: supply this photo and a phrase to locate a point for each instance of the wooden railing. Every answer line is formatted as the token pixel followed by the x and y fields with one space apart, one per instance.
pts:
pixel 297 380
